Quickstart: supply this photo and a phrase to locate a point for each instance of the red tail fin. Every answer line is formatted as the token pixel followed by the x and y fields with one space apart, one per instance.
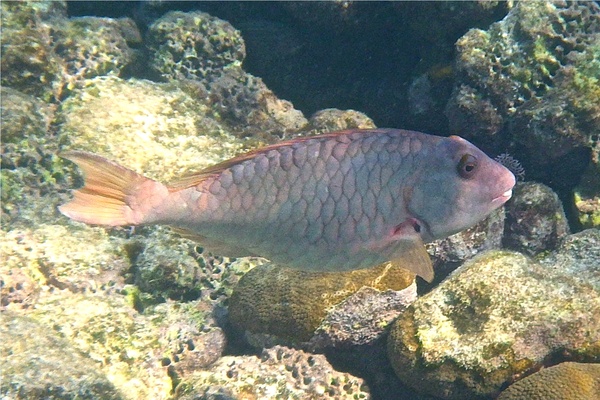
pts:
pixel 112 195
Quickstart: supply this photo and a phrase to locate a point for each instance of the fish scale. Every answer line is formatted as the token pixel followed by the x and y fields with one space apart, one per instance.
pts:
pixel 339 201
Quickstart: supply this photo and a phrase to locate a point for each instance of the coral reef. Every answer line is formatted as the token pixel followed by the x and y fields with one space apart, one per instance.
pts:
pixel 291 304
pixel 587 197
pixel 91 47
pixel 169 267
pixel 46 54
pixel 279 372
pixel 532 80
pixel 535 221
pixel 30 169
pixel 499 316
pixel 332 119
pixel 157 129
pixel 142 355
pixel 573 381
pixel 75 258
pixel 196 46
pixel 29 63
pixel 37 363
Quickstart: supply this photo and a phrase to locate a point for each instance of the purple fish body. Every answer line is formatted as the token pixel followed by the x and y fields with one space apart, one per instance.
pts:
pixel 340 201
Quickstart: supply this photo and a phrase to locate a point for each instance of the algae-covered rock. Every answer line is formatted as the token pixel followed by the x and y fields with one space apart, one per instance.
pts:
pixel 166 266
pixel 193 45
pixel 497 317
pixel 291 304
pixel 532 79
pixel 37 363
pixel 587 196
pixel 578 257
pixel 55 256
pixel 29 168
pixel 45 54
pixel 332 120
pixel 279 373
pixel 449 252
pixel 536 221
pixel 142 355
pixel 156 129
pixel 569 380
pixel 29 63
pixel 196 46
pixel 91 46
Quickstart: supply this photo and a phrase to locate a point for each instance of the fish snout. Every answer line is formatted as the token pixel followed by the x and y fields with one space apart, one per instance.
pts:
pixel 506 184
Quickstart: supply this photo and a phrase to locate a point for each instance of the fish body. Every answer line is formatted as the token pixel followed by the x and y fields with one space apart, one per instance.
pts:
pixel 339 201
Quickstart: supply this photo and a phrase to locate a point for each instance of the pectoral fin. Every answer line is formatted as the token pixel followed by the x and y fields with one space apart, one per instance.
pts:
pixel 415 258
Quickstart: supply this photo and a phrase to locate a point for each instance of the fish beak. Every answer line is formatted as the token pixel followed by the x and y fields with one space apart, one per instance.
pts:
pixel 503 198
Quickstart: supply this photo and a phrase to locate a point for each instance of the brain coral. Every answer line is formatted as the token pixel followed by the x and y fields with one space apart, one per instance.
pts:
pixel 569 380
pixel 291 304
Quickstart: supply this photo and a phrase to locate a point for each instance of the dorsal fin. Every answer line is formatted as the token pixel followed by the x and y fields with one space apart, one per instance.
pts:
pixel 196 178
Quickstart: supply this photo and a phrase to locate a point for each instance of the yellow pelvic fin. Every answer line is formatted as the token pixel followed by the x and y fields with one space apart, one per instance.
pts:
pixel 415 258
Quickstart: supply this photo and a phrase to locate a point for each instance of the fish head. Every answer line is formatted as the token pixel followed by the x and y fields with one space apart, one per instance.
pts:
pixel 458 186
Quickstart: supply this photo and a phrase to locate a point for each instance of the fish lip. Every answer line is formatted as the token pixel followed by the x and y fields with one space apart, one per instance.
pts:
pixel 503 198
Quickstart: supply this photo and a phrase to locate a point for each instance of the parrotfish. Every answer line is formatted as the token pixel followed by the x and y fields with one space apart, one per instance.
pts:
pixel 339 201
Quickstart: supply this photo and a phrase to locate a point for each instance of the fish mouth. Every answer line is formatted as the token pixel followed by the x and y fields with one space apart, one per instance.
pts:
pixel 503 198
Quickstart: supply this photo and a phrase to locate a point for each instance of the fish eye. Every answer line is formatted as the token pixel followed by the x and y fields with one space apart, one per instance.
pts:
pixel 466 166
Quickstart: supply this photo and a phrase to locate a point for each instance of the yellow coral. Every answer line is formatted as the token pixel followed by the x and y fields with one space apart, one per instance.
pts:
pixel 291 303
pixel 569 380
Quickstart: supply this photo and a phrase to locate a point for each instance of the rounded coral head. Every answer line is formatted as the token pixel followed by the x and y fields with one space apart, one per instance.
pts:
pixel 458 187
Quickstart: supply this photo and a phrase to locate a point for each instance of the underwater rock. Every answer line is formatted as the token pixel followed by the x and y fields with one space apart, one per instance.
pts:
pixel 568 380
pixel 362 317
pixel 46 54
pixel 16 287
pixel 29 63
pixel 485 235
pixel 587 196
pixel 535 221
pixel 292 304
pixel 279 373
pixel 193 45
pixel 578 257
pixel 166 266
pixel 154 128
pixel 37 363
pixel 91 47
pixel 197 46
pixel 499 316
pixel 142 355
pixel 332 120
pixel 29 167
pixel 56 257
pixel 532 80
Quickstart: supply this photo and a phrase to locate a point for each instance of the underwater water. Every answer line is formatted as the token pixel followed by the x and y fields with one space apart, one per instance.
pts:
pixel 165 89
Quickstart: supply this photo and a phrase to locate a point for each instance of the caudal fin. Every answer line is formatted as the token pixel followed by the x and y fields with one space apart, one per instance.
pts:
pixel 112 195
